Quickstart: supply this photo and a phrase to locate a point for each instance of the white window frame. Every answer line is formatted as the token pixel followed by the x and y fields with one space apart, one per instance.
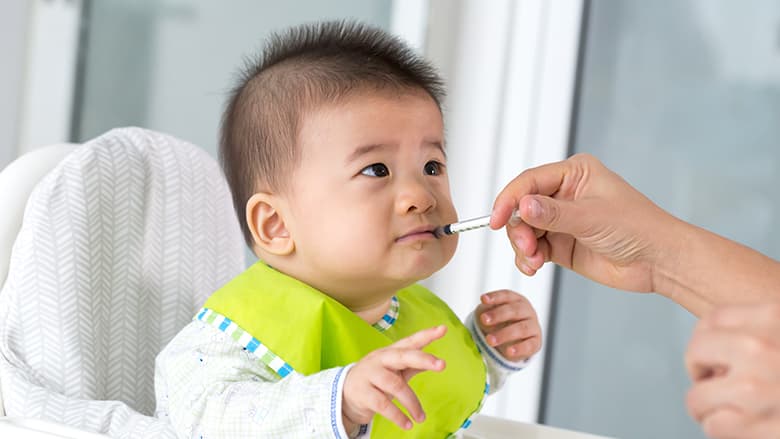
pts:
pixel 50 74
pixel 510 68
pixel 14 26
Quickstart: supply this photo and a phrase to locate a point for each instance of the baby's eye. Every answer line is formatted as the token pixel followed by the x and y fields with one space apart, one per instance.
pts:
pixel 433 168
pixel 376 170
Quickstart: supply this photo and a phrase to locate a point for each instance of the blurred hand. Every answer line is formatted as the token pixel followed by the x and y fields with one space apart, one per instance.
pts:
pixel 510 324
pixel 733 360
pixel 384 374
pixel 582 216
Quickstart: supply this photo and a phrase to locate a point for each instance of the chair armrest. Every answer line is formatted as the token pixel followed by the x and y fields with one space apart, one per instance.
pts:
pixel 488 427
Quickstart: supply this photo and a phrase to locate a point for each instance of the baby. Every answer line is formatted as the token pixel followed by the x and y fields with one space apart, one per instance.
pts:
pixel 332 143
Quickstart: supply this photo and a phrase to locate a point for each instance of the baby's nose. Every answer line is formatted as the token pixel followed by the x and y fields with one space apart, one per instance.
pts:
pixel 415 198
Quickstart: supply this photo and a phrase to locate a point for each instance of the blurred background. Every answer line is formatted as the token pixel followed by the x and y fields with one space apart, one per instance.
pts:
pixel 681 97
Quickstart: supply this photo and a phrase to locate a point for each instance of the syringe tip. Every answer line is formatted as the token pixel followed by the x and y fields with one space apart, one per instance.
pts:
pixel 441 231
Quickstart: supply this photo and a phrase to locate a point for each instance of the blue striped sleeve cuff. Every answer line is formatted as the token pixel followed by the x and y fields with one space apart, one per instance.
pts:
pixel 336 417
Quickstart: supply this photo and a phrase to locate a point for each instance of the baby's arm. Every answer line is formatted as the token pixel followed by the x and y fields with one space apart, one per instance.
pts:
pixel 207 385
pixel 506 330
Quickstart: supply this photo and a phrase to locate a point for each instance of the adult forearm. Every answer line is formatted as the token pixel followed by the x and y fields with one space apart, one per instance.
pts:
pixel 701 269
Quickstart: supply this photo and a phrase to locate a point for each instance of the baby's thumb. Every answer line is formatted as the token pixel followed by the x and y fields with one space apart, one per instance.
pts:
pixel 546 213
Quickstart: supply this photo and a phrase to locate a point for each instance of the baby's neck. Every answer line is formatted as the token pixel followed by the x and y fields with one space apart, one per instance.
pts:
pixel 372 313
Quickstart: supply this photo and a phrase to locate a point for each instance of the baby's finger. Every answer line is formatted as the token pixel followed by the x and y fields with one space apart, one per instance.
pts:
pixel 385 407
pixel 401 359
pixel 514 332
pixel 508 312
pixel 521 350
pixel 394 385
pixel 498 297
pixel 481 308
pixel 422 338
pixel 408 374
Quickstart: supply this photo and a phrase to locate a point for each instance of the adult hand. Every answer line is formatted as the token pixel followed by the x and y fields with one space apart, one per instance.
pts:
pixel 510 324
pixel 733 360
pixel 384 374
pixel 582 216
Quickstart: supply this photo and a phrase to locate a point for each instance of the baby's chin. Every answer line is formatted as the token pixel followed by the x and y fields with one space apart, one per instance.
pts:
pixel 423 271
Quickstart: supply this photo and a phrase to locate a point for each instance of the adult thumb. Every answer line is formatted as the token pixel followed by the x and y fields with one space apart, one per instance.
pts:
pixel 549 214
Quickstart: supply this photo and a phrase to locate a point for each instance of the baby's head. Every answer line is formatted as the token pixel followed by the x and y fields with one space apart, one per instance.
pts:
pixel 333 145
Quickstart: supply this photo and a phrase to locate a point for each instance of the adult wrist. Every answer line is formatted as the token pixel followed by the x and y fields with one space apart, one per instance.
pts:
pixel 675 245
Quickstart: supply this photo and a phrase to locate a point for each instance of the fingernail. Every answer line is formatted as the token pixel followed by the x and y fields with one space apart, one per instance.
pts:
pixel 512 351
pixel 408 425
pixel 491 340
pixel 535 208
pixel 486 318
pixel 515 219
pixel 421 418
pixel 520 244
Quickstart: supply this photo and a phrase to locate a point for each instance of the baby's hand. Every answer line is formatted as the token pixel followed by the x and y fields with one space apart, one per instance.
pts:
pixel 510 324
pixel 384 374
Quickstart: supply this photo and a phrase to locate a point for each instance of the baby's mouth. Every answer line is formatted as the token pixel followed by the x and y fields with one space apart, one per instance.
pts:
pixel 418 233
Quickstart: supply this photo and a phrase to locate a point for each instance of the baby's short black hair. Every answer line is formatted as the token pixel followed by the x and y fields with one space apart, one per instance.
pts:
pixel 300 69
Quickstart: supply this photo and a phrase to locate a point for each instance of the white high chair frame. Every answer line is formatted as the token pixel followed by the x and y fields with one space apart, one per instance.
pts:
pixel 17 181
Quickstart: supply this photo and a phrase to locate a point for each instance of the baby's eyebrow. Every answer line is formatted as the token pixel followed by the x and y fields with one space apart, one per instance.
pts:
pixel 363 150
pixel 438 145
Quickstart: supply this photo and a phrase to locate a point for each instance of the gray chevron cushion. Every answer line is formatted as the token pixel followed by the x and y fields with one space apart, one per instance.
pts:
pixel 120 245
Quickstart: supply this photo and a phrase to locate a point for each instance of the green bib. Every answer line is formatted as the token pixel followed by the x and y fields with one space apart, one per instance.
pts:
pixel 312 332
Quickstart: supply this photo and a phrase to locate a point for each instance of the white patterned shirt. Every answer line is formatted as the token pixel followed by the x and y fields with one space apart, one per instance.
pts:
pixel 209 386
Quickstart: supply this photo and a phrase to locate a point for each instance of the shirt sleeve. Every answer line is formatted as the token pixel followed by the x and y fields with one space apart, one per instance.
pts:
pixel 498 367
pixel 208 385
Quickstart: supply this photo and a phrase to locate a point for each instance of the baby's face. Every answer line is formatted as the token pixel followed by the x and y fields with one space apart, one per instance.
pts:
pixel 370 188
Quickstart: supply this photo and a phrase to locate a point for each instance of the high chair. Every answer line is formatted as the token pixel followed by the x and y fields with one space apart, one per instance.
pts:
pixel 113 251
pixel 120 245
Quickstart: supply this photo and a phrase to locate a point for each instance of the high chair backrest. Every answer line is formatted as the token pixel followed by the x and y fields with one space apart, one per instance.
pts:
pixel 120 245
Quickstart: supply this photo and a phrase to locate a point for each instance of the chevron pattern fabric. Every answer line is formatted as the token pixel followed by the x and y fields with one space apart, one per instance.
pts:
pixel 120 246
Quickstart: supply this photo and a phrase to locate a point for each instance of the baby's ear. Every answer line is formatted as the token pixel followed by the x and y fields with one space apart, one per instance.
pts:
pixel 266 222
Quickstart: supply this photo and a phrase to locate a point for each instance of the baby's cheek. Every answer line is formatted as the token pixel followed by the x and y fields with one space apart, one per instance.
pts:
pixel 451 244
